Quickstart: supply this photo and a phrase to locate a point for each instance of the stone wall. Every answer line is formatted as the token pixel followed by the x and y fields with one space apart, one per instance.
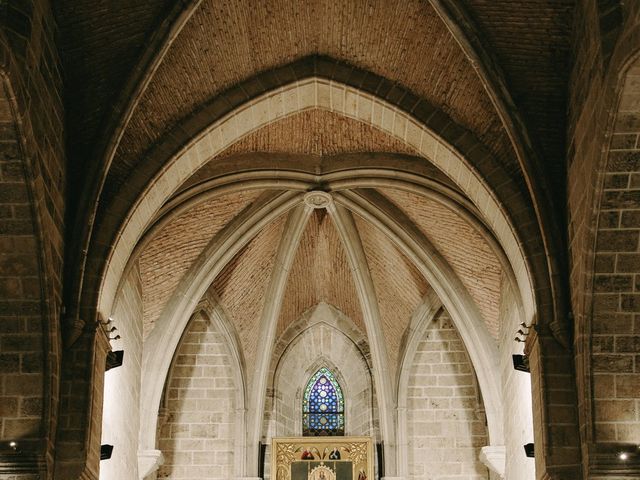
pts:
pixel 318 340
pixel 197 434
pixel 615 326
pixel 21 325
pixel 122 403
pixel 32 182
pixel 322 345
pixel 446 428
pixel 603 229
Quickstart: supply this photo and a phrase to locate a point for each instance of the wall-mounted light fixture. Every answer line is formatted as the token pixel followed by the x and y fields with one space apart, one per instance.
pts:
pixel 114 359
pixel 528 450
pixel 522 332
pixel 521 363
pixel 9 447
pixel 105 452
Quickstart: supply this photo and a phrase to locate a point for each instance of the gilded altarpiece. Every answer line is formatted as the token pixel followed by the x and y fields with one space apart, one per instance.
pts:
pixel 322 458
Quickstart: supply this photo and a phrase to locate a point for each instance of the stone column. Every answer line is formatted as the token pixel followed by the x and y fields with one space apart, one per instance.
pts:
pixel 556 433
pixel 80 425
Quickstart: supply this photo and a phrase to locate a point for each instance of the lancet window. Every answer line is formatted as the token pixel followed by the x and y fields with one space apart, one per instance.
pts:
pixel 323 405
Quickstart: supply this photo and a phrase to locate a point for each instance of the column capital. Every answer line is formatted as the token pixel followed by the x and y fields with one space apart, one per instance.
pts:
pixel 494 458
pixel 148 462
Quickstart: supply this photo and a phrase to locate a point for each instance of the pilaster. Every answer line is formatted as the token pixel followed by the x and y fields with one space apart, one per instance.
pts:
pixel 80 426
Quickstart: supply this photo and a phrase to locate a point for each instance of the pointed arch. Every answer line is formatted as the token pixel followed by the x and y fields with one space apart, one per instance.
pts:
pixel 323 405
pixel 302 357
pixel 211 261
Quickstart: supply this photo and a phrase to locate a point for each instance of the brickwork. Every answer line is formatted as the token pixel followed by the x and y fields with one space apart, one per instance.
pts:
pixel 445 422
pixel 320 251
pixel 171 252
pixel 480 273
pixel 321 344
pixel 21 326
pixel 197 439
pixel 121 411
pixel 537 84
pixel 188 76
pixel 399 288
pixel 602 199
pixel 31 221
pixel 241 287
pixel 411 65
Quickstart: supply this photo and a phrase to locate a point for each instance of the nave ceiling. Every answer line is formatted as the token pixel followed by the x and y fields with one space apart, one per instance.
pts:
pixel 329 147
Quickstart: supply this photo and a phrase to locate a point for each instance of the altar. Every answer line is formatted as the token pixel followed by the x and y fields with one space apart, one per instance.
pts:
pixel 322 458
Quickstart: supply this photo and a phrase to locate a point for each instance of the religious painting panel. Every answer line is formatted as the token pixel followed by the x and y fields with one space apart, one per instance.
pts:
pixel 322 458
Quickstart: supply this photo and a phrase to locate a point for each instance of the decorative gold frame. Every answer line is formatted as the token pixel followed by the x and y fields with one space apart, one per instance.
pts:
pixel 287 450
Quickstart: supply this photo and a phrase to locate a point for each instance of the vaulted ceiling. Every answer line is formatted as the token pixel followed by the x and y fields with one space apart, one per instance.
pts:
pixel 144 78
pixel 202 48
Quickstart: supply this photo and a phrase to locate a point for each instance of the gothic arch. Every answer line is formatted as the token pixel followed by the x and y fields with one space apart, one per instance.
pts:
pixel 30 291
pixel 317 92
pixel 457 299
pixel 349 370
pixel 606 340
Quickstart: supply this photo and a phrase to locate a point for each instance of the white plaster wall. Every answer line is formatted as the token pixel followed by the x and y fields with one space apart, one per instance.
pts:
pixel 197 434
pixel 446 427
pixel 121 412
pixel 516 391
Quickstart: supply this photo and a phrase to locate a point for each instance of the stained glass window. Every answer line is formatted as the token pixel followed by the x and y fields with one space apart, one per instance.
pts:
pixel 323 405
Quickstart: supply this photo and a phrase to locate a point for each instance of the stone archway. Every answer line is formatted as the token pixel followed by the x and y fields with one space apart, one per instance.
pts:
pixel 29 330
pixel 609 341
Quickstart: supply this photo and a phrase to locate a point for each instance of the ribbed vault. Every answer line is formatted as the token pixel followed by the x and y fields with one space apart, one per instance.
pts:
pixel 462 245
pixel 170 253
pixel 399 287
pixel 320 273
pixel 241 287
pixel 317 132
pixel 405 42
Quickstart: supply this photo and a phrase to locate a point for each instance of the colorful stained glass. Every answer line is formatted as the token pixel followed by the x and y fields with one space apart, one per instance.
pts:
pixel 323 405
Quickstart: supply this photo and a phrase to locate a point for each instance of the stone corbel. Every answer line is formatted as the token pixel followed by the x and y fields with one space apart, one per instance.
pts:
pixel 148 462
pixel 74 326
pixel 494 459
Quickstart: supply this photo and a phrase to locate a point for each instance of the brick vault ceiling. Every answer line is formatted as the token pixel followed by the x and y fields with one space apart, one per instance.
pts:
pixel 320 271
pixel 223 43
pixel 226 43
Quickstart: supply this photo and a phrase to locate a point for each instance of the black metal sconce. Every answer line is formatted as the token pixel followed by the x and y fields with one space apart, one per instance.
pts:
pixel 521 363
pixel 105 452
pixel 114 359
pixel 528 450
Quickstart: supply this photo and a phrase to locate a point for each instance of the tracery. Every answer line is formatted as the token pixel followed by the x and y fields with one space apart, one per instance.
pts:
pixel 323 405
